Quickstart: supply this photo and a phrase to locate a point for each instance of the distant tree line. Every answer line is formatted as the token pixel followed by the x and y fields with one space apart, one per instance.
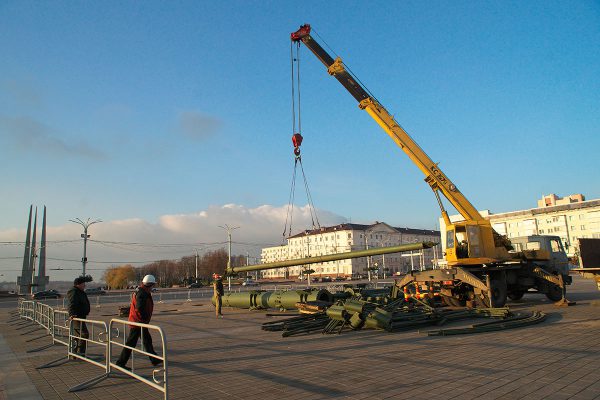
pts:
pixel 173 272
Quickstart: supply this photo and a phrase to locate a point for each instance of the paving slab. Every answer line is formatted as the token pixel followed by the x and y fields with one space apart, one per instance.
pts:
pixel 232 357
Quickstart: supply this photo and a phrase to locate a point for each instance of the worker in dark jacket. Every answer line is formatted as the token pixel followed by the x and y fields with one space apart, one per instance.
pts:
pixel 79 307
pixel 140 311
pixel 218 292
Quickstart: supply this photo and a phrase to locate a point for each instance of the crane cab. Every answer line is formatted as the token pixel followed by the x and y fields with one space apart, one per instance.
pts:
pixel 471 243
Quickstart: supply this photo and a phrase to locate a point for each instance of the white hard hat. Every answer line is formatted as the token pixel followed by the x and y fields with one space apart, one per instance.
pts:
pixel 149 279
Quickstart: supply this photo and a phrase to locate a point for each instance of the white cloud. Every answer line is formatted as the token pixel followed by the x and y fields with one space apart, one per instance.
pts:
pixel 28 135
pixel 196 125
pixel 171 237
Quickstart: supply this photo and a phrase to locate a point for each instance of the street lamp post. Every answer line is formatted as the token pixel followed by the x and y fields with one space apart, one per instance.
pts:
pixel 196 259
pixel 229 229
pixel 85 237
pixel 34 256
pixel 368 258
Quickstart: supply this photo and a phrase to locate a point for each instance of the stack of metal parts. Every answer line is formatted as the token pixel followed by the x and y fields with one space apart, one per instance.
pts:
pixel 298 325
pixel 385 313
pixel 399 314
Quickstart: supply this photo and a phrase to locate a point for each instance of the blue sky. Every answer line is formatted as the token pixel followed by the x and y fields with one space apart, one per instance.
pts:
pixel 133 111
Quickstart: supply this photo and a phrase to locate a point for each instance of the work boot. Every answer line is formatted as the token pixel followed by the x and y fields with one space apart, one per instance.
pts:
pixel 123 366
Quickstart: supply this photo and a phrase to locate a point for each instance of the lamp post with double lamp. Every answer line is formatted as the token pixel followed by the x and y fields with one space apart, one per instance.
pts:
pixel 34 256
pixel 229 229
pixel 85 236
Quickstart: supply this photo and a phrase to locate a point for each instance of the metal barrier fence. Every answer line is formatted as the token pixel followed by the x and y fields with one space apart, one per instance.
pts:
pixel 44 311
pixel 20 306
pixel 28 309
pixel 83 335
pixel 59 327
pixel 86 333
pixel 89 340
pixel 159 383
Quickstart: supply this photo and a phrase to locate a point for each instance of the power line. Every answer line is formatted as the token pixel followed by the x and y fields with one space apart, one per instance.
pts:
pixel 48 241
pixel 158 244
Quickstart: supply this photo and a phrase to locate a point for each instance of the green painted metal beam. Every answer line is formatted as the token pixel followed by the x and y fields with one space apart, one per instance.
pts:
pixel 333 257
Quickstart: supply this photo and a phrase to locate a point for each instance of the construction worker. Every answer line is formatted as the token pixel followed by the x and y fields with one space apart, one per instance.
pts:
pixel 79 307
pixel 218 292
pixel 140 311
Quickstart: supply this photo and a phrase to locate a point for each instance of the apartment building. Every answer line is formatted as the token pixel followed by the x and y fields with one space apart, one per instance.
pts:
pixel 350 237
pixel 571 217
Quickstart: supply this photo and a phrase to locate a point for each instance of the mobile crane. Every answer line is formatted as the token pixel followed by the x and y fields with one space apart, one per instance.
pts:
pixel 480 267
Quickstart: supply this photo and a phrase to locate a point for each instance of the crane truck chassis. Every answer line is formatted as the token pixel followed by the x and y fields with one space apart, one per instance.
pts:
pixel 542 266
pixel 483 268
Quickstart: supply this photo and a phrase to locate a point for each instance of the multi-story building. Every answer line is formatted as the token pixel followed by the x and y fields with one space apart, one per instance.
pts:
pixel 570 218
pixel 350 237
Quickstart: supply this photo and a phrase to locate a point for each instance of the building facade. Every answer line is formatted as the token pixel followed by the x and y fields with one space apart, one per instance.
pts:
pixel 570 218
pixel 351 237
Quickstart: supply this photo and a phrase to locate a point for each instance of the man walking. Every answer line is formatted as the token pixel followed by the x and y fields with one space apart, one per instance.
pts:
pixel 218 292
pixel 79 307
pixel 140 311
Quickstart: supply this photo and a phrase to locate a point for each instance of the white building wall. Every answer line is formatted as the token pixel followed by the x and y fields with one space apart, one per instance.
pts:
pixel 333 241
pixel 568 221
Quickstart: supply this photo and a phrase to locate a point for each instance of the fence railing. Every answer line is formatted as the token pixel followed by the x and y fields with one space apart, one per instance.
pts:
pixel 85 334
pixel 59 327
pixel 92 341
pixel 159 375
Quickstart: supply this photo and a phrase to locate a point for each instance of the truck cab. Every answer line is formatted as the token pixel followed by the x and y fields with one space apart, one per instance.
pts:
pixel 545 248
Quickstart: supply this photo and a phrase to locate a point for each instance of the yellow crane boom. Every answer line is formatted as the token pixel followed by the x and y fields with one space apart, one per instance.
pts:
pixel 471 241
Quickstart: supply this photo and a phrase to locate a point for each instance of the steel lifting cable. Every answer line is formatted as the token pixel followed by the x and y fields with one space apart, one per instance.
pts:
pixel 297 141
pixel 292 59
pixel 311 205
pixel 290 209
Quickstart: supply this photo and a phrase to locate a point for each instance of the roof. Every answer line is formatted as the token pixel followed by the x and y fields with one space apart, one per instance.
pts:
pixel 547 210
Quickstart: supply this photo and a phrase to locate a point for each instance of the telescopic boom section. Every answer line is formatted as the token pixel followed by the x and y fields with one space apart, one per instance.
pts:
pixel 434 176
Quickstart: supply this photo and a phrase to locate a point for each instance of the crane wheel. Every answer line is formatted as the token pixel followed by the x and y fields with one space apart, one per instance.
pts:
pixel 453 301
pixel 515 295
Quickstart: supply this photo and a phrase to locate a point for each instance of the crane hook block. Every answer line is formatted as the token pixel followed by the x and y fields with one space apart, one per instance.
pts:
pixel 297 140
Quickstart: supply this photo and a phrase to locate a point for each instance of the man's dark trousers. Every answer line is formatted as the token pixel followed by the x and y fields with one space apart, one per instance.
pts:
pixel 132 339
pixel 80 329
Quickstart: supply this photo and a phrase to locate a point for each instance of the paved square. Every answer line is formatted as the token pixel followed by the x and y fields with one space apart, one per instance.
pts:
pixel 232 357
